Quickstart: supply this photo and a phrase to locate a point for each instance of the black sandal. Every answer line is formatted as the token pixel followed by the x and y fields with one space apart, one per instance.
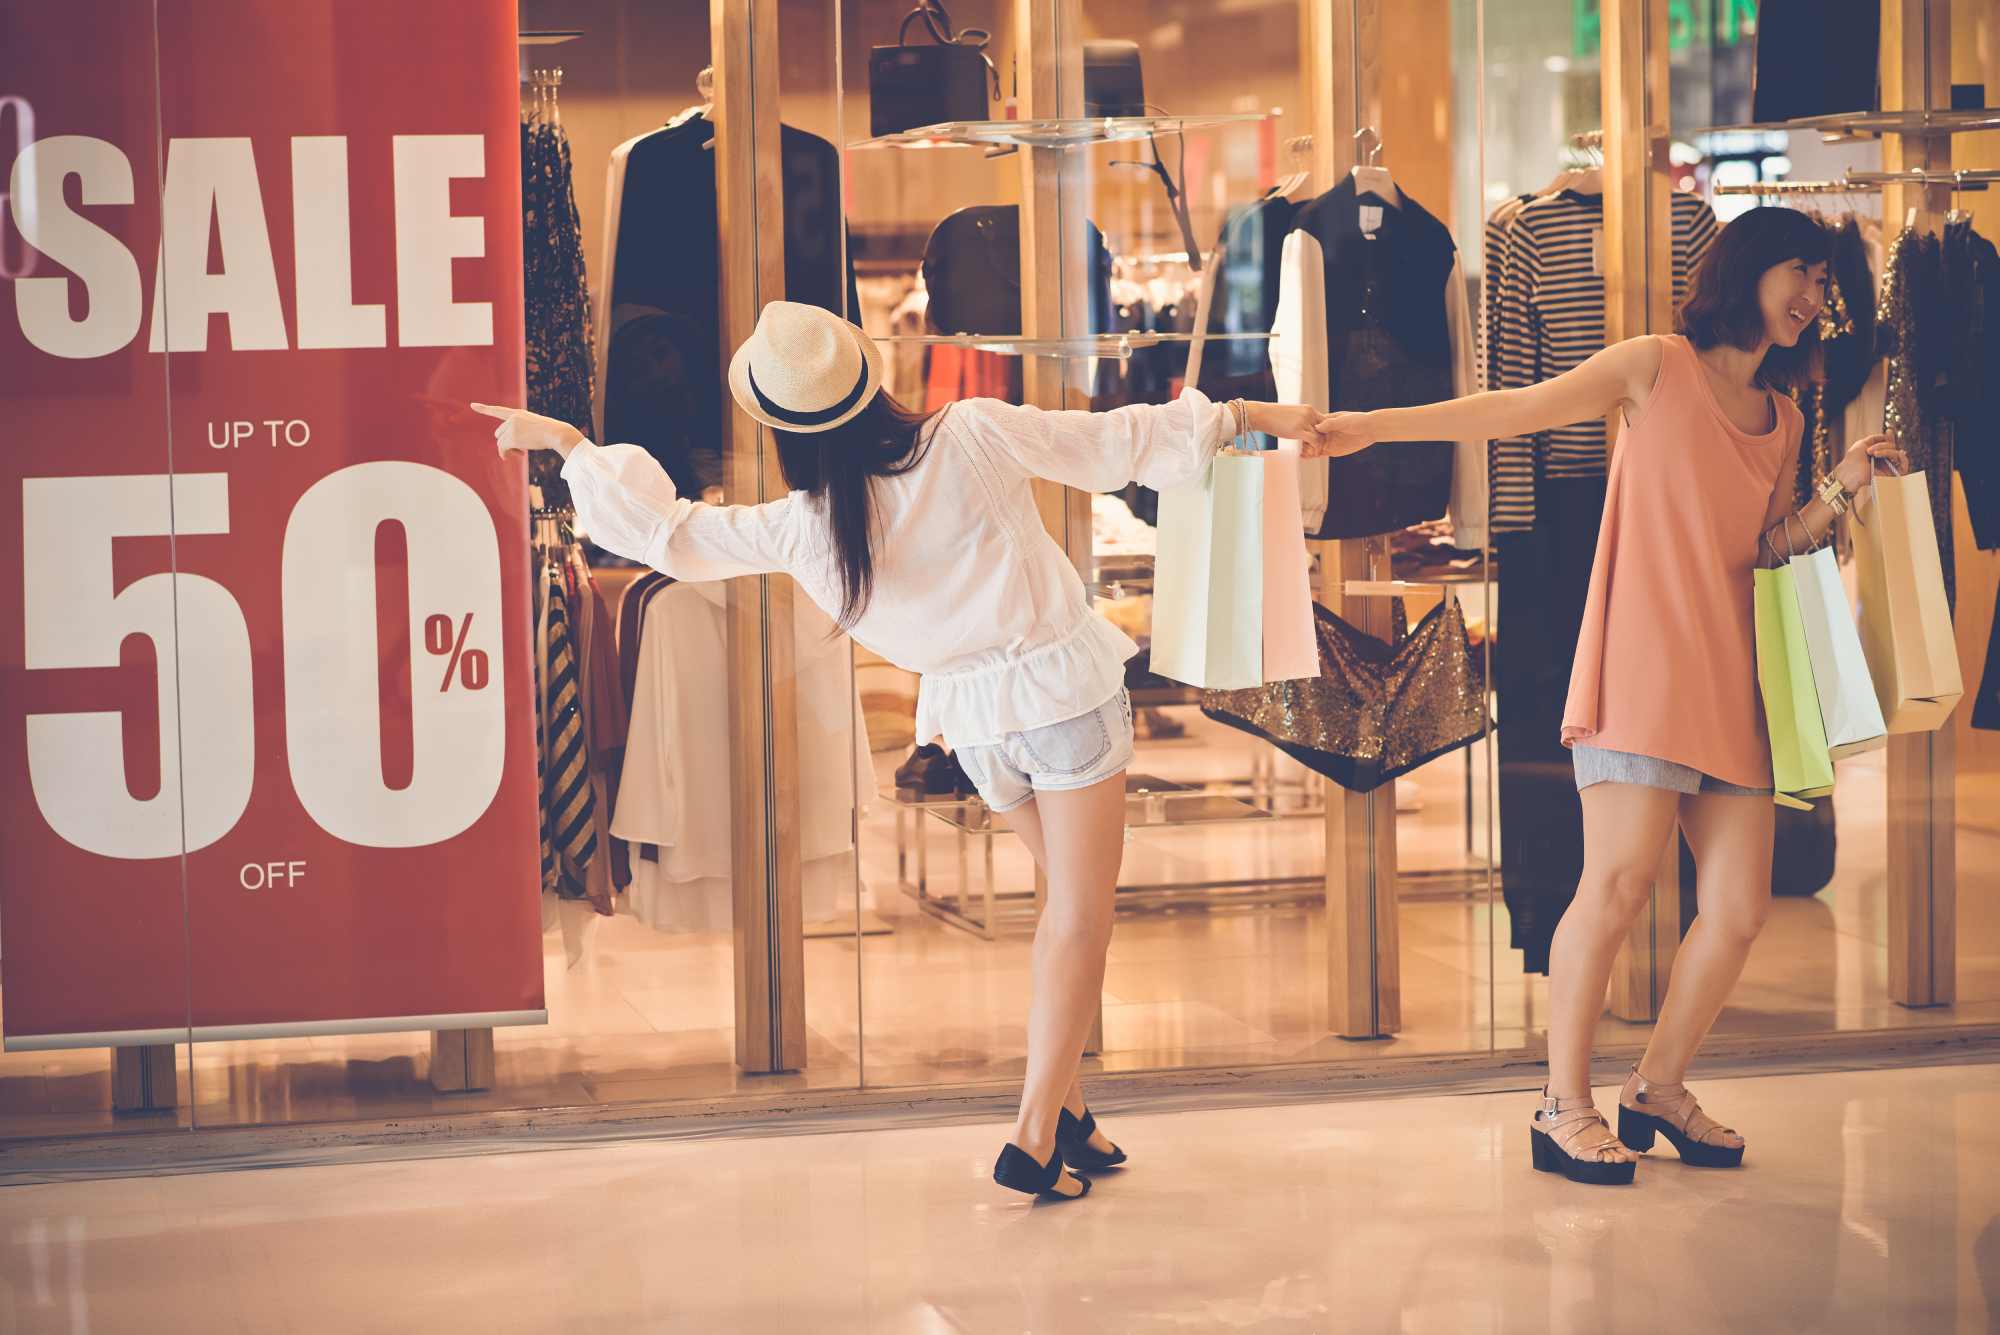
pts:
pixel 1073 1142
pixel 1679 1118
pixel 1562 1123
pixel 1017 1170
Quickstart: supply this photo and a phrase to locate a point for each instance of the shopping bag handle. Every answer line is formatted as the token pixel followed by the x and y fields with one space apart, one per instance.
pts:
pixel 1791 552
pixel 1873 497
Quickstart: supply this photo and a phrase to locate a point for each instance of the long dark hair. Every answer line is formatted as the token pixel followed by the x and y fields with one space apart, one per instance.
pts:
pixel 1722 306
pixel 836 468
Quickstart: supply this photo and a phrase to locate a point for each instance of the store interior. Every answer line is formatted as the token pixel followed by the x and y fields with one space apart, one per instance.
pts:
pixel 914 906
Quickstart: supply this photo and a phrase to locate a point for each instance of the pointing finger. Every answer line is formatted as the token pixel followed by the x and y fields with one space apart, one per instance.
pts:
pixel 492 411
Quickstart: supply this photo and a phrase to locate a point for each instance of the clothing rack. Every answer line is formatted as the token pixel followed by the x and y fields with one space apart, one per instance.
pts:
pixel 1977 178
pixel 1392 588
pixel 1799 188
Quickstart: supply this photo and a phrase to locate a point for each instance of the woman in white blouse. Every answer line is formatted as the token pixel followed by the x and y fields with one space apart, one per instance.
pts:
pixel 920 536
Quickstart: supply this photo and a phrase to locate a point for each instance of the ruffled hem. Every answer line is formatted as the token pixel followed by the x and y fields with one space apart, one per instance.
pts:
pixel 1050 683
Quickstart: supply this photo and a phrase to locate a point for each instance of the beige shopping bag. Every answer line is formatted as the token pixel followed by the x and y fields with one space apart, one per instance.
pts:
pixel 1232 598
pixel 1905 623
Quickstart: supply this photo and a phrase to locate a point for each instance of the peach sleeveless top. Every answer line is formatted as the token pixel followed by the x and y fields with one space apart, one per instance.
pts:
pixel 1666 664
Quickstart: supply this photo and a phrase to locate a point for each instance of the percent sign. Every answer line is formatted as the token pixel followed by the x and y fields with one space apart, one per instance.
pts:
pixel 469 665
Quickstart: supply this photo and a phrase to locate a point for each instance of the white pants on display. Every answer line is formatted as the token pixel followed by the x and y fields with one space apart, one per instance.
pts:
pixel 675 791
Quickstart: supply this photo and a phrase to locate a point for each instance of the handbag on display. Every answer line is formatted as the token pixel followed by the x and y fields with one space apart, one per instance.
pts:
pixel 1815 58
pixel 1232 590
pixel 1847 705
pixel 1373 712
pixel 1113 84
pixel 1801 765
pixel 972 271
pixel 1906 630
pixel 927 83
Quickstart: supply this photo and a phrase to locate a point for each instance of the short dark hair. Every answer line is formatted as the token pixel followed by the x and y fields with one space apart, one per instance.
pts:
pixel 1721 306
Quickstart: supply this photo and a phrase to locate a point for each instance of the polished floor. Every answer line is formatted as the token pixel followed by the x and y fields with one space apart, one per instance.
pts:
pixel 1869 1202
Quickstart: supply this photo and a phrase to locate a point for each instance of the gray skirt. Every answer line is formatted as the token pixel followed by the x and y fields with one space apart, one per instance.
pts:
pixel 1597 765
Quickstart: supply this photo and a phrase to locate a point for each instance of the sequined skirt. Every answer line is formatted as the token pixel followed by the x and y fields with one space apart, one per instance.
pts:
pixel 1375 711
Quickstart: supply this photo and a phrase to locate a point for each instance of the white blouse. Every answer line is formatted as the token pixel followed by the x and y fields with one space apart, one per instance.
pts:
pixel 970 590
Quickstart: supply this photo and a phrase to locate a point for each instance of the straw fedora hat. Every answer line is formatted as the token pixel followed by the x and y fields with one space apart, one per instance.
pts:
pixel 804 369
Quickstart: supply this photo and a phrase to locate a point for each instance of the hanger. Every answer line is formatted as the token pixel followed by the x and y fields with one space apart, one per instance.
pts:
pixel 704 86
pixel 1587 179
pixel 1370 177
pixel 1293 185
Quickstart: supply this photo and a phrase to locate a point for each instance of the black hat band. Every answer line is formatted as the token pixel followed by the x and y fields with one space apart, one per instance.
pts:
pixel 820 418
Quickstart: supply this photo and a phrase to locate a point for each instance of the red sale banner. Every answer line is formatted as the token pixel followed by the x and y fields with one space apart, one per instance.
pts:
pixel 269 763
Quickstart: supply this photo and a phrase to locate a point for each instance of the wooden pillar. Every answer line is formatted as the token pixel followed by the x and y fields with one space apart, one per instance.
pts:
pixel 1055 291
pixel 1922 777
pixel 1340 44
pixel 1638 299
pixel 763 736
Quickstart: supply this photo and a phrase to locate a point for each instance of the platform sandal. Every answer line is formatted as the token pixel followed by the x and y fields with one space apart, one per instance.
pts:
pixel 1073 1143
pixel 1646 1110
pixel 1568 1137
pixel 1017 1170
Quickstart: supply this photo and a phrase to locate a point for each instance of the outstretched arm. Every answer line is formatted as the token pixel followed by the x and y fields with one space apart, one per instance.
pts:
pixel 1157 444
pixel 626 502
pixel 1620 376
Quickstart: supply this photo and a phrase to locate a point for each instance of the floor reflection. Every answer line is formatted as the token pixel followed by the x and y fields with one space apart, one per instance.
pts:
pixel 1868 1203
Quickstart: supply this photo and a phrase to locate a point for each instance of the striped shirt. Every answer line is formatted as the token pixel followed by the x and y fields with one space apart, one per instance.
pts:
pixel 1550 319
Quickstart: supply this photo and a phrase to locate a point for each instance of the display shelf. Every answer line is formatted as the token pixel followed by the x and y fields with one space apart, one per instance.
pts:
pixel 1854 123
pixel 1075 132
pixel 1140 789
pixel 551 36
pixel 978 905
pixel 1117 347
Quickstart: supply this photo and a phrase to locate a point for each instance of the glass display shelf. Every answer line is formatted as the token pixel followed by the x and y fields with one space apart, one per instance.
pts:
pixel 1077 132
pixel 1851 124
pixel 1116 347
pixel 974 900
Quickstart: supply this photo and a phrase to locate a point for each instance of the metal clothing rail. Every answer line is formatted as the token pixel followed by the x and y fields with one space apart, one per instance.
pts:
pixel 1799 188
pixel 1975 179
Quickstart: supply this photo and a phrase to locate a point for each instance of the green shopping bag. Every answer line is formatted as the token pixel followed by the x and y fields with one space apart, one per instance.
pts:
pixel 1801 765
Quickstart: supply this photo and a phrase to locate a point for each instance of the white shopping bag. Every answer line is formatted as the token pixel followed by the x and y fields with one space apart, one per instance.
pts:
pixel 1847 702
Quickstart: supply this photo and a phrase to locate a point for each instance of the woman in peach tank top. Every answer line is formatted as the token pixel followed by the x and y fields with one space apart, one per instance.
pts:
pixel 1663 718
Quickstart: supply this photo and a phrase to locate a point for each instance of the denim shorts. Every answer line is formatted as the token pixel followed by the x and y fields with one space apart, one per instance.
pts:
pixel 1597 765
pixel 1075 753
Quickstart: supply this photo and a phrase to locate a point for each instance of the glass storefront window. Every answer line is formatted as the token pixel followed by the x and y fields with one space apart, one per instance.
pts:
pixel 316 799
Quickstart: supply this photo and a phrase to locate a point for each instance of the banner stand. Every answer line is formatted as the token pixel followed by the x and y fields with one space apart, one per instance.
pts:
pixel 142 1079
pixel 461 1060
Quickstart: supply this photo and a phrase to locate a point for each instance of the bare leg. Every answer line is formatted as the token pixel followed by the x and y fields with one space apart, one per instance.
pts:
pixel 1625 831
pixel 1083 842
pixel 1026 822
pixel 1731 837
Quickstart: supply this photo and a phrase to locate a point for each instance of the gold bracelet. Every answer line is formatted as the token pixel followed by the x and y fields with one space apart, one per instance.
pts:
pixel 1833 496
